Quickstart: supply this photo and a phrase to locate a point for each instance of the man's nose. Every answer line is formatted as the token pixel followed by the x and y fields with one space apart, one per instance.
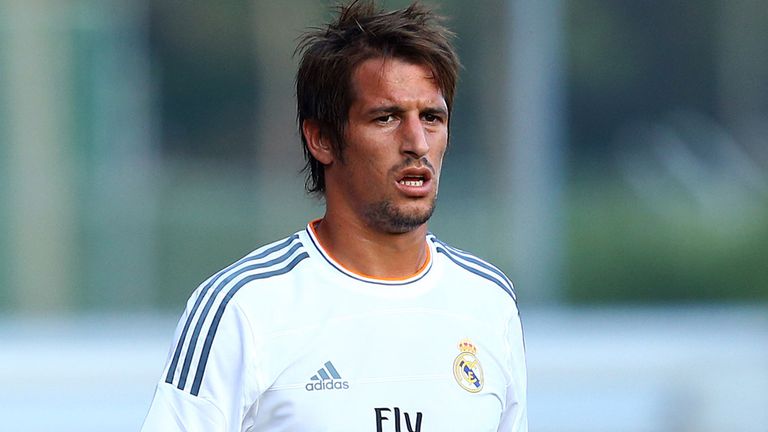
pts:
pixel 414 137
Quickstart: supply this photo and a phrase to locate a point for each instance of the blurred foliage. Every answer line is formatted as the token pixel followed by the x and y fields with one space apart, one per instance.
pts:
pixel 206 76
pixel 5 238
pixel 630 59
pixel 621 250
pixel 633 62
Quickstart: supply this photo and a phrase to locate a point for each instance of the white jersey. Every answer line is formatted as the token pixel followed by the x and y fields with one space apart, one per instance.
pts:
pixel 287 339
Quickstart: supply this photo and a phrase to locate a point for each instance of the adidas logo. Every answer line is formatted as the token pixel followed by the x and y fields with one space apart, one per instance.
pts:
pixel 327 378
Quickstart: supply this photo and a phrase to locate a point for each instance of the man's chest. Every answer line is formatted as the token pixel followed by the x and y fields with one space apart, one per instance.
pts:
pixel 398 370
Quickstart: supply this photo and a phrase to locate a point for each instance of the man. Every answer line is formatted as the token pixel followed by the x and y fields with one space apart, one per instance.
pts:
pixel 364 321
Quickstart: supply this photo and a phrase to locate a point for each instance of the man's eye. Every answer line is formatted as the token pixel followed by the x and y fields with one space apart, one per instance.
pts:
pixel 432 118
pixel 386 119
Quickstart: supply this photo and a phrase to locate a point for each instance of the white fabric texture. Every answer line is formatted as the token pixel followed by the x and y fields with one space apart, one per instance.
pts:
pixel 286 339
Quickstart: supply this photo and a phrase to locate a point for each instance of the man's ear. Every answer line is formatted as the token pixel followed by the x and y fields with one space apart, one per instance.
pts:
pixel 317 143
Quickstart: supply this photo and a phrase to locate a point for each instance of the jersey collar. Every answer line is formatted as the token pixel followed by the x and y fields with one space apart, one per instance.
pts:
pixel 420 273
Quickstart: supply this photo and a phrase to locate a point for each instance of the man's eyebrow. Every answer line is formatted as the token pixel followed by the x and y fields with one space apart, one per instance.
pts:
pixel 385 109
pixel 398 109
pixel 435 110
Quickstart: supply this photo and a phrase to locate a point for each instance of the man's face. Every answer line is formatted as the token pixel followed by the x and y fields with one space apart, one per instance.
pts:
pixel 395 139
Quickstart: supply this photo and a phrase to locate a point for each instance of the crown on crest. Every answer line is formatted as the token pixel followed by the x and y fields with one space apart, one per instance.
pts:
pixel 467 346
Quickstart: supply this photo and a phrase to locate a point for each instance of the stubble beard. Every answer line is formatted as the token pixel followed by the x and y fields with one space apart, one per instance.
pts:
pixel 389 218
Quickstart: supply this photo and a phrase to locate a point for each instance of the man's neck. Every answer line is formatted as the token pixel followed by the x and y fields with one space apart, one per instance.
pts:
pixel 372 253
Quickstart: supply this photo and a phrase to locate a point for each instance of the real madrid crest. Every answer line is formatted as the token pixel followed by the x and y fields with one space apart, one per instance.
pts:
pixel 467 369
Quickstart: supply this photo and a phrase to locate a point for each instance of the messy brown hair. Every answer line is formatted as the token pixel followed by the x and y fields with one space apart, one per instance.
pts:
pixel 361 31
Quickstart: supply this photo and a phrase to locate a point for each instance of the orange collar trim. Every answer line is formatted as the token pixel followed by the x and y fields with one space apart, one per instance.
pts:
pixel 337 263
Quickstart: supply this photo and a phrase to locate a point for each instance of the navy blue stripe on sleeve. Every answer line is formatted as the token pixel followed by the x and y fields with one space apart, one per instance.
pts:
pixel 212 299
pixel 220 311
pixel 205 290
pixel 203 293
pixel 477 261
pixel 463 259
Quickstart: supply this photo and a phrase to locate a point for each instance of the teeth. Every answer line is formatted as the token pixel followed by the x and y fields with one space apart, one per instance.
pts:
pixel 412 182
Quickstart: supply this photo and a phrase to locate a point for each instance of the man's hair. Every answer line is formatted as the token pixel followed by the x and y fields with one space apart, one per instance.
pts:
pixel 361 31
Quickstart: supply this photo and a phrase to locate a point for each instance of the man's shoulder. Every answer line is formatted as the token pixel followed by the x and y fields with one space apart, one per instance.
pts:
pixel 272 258
pixel 276 247
pixel 466 262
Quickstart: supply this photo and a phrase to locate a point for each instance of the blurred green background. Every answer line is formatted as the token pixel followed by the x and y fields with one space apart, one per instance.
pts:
pixel 146 144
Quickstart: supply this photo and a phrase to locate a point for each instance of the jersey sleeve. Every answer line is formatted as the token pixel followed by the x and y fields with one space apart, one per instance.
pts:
pixel 174 410
pixel 515 415
pixel 210 379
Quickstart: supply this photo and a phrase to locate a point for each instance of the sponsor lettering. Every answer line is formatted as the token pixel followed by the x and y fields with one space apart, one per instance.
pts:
pixel 392 419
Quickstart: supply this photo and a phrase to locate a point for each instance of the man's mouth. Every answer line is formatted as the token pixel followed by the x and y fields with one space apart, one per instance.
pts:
pixel 415 181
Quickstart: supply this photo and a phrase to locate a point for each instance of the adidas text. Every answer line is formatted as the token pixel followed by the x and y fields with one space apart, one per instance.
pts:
pixel 327 385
